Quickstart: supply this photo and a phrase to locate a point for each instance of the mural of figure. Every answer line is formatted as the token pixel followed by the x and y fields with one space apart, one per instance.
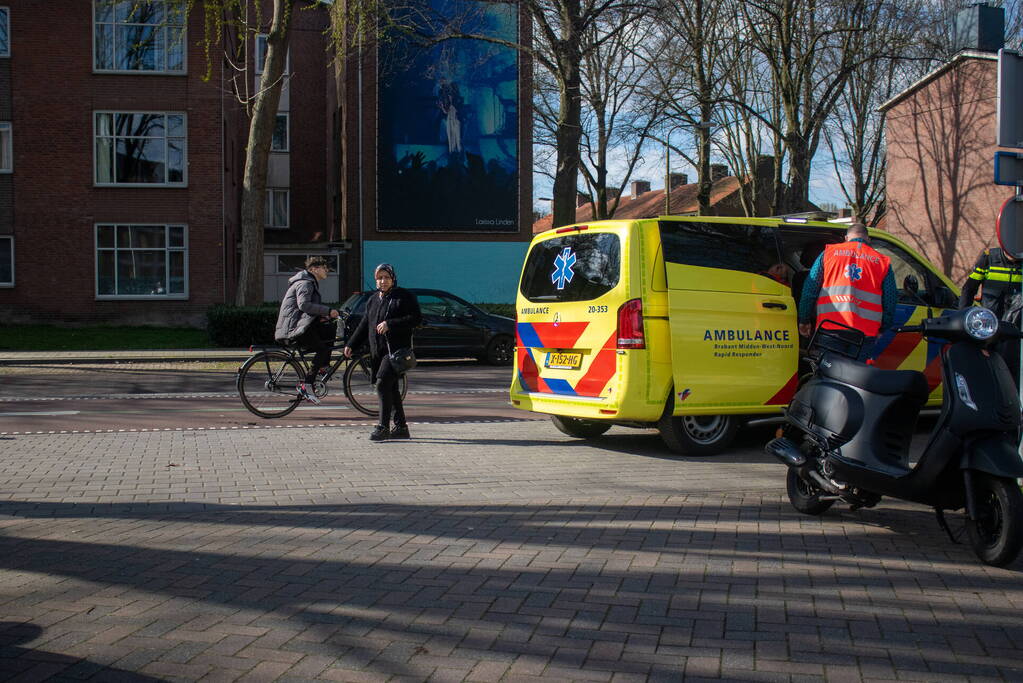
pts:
pixel 448 100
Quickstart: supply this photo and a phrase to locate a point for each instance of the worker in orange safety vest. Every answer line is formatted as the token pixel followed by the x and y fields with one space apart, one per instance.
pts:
pixel 850 283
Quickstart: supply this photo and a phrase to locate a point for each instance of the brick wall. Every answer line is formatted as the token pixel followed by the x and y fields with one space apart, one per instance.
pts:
pixel 941 196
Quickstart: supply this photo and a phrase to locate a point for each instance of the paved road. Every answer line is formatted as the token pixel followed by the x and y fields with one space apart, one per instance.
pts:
pixel 475 552
pixel 148 396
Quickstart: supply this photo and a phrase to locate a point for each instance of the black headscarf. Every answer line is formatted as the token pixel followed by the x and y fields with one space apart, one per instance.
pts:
pixel 387 268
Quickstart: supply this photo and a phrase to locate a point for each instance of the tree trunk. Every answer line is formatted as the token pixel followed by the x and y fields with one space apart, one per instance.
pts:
pixel 257 153
pixel 568 137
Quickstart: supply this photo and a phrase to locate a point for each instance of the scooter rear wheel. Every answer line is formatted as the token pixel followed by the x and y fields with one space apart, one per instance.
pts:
pixel 804 496
pixel 997 534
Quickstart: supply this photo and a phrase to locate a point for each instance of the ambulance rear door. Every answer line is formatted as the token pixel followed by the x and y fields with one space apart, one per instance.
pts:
pixel 733 326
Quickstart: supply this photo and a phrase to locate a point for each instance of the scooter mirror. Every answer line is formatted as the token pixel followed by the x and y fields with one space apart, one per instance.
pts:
pixel 911 286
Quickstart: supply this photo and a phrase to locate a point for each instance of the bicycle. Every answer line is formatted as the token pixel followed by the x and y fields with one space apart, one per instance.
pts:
pixel 268 381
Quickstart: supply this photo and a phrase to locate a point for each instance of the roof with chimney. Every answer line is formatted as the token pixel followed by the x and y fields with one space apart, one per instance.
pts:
pixel 683 201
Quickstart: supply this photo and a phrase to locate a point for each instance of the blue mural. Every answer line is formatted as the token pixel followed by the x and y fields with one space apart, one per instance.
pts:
pixel 448 121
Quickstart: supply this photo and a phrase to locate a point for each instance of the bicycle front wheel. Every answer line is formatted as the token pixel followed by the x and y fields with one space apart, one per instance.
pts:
pixel 360 390
pixel 268 384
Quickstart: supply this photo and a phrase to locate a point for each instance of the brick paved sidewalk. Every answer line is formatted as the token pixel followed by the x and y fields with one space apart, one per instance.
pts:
pixel 476 552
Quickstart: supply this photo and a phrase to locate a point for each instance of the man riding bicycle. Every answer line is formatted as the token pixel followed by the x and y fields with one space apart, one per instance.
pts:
pixel 304 320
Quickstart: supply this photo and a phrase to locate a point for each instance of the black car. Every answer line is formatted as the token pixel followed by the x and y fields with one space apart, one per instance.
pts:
pixel 452 327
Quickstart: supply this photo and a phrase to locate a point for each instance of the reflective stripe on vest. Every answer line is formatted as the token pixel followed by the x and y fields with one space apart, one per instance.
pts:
pixel 851 288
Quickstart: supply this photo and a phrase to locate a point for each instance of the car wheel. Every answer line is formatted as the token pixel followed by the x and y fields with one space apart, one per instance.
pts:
pixel 696 434
pixel 500 351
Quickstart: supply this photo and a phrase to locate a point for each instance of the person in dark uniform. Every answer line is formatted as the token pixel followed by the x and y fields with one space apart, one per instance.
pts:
pixel 392 313
pixel 998 277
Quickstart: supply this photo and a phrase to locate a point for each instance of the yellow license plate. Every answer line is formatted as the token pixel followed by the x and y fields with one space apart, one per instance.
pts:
pixel 564 361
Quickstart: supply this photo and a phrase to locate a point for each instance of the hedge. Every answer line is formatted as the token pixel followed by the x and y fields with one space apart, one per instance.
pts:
pixel 234 326
pixel 507 310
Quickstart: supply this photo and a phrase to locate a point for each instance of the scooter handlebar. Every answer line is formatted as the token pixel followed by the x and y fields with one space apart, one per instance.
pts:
pixel 908 328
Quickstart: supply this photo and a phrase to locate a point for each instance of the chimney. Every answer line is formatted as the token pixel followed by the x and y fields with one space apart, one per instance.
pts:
pixel 845 213
pixel 765 167
pixel 979 27
pixel 677 179
pixel 717 172
pixel 639 187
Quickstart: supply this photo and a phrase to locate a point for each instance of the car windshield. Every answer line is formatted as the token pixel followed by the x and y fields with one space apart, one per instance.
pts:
pixel 355 303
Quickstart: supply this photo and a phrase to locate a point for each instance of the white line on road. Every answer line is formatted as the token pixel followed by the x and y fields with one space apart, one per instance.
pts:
pixel 41 412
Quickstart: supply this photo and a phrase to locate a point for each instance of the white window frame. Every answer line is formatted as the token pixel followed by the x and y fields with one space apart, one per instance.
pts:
pixel 260 55
pixel 270 192
pixel 6 13
pixel 183 28
pixel 177 296
pixel 95 155
pixel 287 133
pixel 8 285
pixel 6 150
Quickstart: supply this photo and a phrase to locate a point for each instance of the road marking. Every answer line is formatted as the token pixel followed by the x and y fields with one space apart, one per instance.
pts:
pixel 41 412
pixel 214 428
pixel 215 394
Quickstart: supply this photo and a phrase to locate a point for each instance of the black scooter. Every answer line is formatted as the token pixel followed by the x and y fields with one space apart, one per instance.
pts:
pixel 848 431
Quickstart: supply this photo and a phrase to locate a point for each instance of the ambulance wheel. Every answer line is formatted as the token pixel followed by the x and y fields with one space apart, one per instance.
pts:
pixel 581 429
pixel 697 434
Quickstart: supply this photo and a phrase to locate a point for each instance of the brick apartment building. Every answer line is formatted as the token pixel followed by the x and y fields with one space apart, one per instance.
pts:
pixel 120 171
pixel 941 197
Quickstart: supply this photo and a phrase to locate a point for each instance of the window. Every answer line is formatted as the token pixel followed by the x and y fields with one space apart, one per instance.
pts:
pixel 279 143
pixel 5 32
pixel 141 261
pixel 139 36
pixel 747 248
pixel 139 148
pixel 908 271
pixel 276 208
pixel 261 55
pixel 575 267
pixel 443 307
pixel 292 263
pixel 6 153
pixel 6 261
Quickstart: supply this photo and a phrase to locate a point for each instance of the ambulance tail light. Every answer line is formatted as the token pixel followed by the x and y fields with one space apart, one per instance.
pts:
pixel 630 325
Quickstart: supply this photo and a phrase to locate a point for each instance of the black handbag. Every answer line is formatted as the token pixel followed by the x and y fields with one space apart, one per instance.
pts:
pixel 402 359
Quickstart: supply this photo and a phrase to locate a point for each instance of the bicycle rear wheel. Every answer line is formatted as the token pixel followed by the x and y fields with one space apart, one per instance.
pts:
pixel 360 390
pixel 267 384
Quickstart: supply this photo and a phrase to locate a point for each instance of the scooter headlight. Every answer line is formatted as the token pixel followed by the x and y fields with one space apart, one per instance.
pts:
pixel 981 323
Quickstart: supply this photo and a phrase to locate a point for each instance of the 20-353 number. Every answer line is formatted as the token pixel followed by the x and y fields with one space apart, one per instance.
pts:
pixel 597 309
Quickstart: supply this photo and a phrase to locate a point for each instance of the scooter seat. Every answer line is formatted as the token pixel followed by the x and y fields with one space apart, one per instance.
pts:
pixel 875 380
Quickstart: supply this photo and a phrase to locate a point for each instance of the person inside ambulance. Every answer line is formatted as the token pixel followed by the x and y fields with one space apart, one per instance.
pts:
pixel 851 283
pixel 998 277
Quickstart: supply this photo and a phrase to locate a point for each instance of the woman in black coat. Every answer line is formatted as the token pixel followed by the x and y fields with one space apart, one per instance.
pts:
pixel 392 313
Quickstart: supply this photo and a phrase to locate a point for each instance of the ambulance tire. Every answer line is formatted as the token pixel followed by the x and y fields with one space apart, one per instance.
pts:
pixel 697 434
pixel 581 429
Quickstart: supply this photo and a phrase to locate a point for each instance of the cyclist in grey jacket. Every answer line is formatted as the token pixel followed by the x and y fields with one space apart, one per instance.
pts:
pixel 306 321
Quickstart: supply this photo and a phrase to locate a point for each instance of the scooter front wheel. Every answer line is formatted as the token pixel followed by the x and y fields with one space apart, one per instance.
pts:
pixel 996 535
pixel 804 496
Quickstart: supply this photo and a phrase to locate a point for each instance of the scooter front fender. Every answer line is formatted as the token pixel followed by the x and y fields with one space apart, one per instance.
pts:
pixel 996 454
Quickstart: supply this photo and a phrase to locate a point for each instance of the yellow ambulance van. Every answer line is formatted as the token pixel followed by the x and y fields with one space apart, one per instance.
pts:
pixel 687 324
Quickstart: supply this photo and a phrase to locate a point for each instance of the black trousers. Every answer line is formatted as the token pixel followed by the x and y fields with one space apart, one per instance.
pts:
pixel 318 338
pixel 389 394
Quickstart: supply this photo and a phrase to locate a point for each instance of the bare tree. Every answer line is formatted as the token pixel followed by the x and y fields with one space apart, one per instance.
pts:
pixel 565 33
pixel 694 52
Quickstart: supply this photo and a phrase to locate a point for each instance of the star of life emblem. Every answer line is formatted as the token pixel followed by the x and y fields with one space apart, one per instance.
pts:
pixel 563 272
pixel 853 272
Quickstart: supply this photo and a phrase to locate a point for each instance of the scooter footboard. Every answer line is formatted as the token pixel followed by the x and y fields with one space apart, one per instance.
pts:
pixel 996 454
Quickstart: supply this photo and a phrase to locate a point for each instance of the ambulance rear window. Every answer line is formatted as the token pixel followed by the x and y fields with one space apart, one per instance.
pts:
pixel 573 267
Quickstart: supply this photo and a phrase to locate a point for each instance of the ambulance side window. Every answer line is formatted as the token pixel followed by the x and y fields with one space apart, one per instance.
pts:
pixel 905 266
pixel 728 246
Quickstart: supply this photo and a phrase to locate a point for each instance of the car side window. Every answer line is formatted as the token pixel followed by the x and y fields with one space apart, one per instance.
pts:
pixel 432 305
pixel 907 271
pixel 456 309
pixel 727 246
